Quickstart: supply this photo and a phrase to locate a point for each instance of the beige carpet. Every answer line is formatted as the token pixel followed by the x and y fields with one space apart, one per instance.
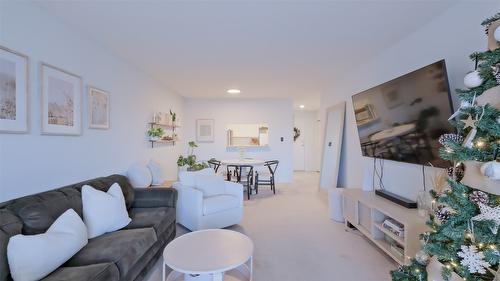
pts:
pixel 296 241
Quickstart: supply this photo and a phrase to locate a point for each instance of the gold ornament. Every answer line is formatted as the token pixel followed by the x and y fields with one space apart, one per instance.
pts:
pixel 469 122
pixel 481 143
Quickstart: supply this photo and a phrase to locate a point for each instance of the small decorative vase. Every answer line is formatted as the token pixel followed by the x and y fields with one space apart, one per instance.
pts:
pixel 424 203
pixel 154 138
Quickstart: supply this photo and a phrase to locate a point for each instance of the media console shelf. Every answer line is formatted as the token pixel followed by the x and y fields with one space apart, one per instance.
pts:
pixel 367 212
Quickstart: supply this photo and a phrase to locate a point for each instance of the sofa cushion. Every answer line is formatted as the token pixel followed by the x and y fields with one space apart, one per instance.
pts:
pixel 104 211
pixel 158 218
pixel 219 203
pixel 32 257
pixel 94 272
pixel 139 175
pixel 10 225
pixel 124 248
pixel 39 211
pixel 157 174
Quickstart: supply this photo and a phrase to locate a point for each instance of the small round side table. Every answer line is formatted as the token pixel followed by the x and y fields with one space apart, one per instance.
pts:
pixel 209 255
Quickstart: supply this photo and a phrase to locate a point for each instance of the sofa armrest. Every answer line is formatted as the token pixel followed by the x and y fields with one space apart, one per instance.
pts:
pixel 152 197
pixel 235 189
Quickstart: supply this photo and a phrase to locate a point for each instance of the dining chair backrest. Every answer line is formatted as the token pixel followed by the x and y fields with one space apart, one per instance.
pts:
pixel 248 169
pixel 272 165
pixel 214 164
pixel 232 170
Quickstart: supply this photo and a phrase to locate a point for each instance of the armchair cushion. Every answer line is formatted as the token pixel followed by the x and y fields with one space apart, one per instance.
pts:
pixel 210 185
pixel 188 178
pixel 219 203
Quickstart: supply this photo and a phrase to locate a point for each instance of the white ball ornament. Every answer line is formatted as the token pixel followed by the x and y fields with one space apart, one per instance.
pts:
pixel 496 34
pixel 422 257
pixel 491 170
pixel 473 79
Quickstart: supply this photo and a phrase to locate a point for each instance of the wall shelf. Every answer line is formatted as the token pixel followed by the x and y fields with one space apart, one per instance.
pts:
pixel 167 127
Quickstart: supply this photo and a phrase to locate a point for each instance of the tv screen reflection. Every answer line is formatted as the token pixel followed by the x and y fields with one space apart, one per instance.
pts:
pixel 403 119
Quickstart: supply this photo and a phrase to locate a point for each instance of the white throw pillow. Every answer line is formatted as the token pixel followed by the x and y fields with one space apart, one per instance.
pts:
pixel 156 172
pixel 187 178
pixel 104 212
pixel 139 176
pixel 210 185
pixel 32 257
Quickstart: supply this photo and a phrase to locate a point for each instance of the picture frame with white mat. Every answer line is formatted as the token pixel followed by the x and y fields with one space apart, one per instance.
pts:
pixel 14 88
pixel 98 107
pixel 61 101
pixel 205 130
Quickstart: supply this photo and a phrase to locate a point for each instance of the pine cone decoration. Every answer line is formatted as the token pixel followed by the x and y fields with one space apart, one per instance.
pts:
pixel 450 171
pixel 496 72
pixel 459 172
pixel 479 197
pixel 444 139
pixel 443 213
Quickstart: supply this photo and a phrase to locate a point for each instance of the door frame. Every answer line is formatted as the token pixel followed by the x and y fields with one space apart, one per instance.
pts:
pixel 339 107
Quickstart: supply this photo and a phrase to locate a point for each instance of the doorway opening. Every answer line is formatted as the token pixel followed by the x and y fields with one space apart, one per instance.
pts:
pixel 306 145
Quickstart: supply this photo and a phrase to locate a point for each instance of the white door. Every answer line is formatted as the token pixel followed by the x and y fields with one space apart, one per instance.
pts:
pixel 299 152
pixel 332 146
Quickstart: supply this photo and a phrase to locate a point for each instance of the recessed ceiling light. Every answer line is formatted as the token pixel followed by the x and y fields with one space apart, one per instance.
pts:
pixel 302 106
pixel 233 91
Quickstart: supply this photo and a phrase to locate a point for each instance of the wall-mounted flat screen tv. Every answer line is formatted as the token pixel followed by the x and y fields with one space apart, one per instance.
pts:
pixel 402 119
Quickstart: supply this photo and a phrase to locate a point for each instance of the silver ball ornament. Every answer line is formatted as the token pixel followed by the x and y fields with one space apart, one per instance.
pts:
pixel 496 34
pixel 473 79
pixel 422 257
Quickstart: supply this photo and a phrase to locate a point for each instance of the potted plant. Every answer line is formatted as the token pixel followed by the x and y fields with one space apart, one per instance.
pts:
pixel 173 116
pixel 155 133
pixel 189 162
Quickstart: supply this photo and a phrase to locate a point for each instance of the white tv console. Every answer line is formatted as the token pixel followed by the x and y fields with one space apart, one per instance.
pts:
pixel 367 211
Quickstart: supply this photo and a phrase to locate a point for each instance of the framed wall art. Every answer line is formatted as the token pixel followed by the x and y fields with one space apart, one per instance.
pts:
pixel 13 91
pixel 98 109
pixel 205 130
pixel 61 101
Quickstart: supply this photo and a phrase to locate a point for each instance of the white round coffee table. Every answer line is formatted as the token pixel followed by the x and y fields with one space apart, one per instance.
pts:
pixel 209 255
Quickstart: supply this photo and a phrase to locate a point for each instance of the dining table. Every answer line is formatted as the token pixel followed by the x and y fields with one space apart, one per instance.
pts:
pixel 243 162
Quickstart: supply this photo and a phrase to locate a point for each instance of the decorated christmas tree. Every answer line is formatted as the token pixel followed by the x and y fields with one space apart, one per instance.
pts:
pixel 463 241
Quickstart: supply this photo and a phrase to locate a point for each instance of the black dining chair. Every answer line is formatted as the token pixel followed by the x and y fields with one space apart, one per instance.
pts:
pixel 214 164
pixel 267 178
pixel 232 173
pixel 245 177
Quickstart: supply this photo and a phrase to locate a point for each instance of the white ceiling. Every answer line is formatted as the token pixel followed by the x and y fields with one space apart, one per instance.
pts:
pixel 265 48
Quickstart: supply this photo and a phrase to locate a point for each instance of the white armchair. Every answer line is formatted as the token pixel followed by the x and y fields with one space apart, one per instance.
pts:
pixel 196 211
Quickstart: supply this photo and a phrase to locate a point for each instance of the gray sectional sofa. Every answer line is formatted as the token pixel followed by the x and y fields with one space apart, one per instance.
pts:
pixel 127 254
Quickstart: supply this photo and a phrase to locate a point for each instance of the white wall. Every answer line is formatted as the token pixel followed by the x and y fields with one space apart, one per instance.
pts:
pixel 31 163
pixel 454 35
pixel 277 113
pixel 307 122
